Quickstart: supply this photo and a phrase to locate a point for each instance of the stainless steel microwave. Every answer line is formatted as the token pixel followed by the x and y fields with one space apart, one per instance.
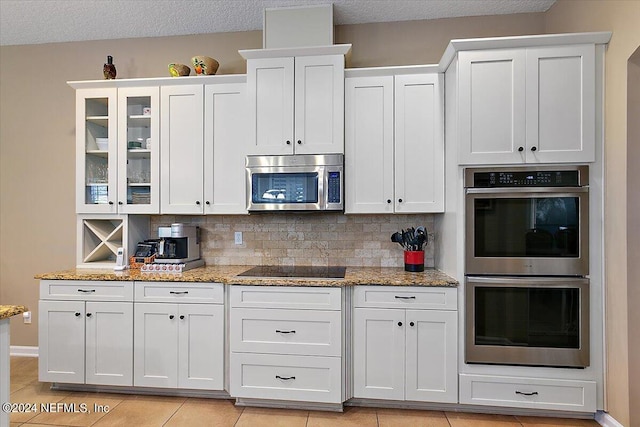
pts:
pixel 295 183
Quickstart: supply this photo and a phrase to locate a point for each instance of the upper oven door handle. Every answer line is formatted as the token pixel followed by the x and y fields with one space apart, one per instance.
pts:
pixel 528 190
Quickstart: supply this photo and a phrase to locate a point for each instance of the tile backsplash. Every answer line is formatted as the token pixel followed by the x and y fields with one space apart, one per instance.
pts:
pixel 303 239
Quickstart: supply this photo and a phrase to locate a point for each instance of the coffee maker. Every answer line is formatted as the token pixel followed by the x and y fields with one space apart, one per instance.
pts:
pixel 178 244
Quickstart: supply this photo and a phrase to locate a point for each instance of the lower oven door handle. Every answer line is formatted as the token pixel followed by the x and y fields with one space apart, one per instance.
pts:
pixel 527 190
pixel 527 393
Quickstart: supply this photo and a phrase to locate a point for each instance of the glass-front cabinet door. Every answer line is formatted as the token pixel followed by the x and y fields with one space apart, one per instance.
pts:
pixel 138 148
pixel 96 150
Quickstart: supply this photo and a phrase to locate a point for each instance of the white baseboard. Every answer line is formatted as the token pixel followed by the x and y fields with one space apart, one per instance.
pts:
pixel 607 420
pixel 23 351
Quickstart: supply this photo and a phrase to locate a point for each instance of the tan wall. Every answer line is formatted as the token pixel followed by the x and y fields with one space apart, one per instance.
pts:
pixel 622 18
pixel 633 225
pixel 37 223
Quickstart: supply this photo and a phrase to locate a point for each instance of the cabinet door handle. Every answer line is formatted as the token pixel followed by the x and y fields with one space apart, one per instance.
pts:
pixel 285 378
pixel 171 316
pixel 388 200
pixel 399 323
pixel 120 203
pixel 179 292
pixel 412 324
pixel 182 317
pixel 87 291
pixel 534 148
pixel 198 202
pixel 110 202
pixel 521 149
pixel 285 332
pixel 288 142
pixel 77 314
pixel 399 200
pixel 207 203
pixel 401 297
pixel 299 142
pixel 525 393
pixel 88 314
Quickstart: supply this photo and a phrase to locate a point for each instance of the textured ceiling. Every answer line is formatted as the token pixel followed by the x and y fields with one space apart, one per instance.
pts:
pixel 49 21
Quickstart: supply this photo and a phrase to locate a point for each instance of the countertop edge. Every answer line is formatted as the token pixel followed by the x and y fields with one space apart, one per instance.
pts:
pixel 228 275
pixel 7 311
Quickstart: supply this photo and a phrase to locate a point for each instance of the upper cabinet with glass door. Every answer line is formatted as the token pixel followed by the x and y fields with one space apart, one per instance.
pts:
pixel 96 151
pixel 138 148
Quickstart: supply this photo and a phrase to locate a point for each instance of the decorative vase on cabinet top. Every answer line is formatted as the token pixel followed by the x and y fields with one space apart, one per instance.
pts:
pixel 177 70
pixel 108 69
pixel 204 65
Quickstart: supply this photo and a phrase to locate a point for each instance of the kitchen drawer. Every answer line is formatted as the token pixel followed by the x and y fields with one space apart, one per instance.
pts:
pixel 430 298
pixel 295 297
pixel 305 332
pixel 282 377
pixel 176 292
pixel 563 395
pixel 86 290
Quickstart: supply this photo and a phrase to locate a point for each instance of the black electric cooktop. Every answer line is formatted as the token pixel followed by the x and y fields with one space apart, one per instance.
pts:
pixel 295 271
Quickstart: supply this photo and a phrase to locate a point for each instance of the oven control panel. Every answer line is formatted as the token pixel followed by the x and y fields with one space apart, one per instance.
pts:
pixel 488 179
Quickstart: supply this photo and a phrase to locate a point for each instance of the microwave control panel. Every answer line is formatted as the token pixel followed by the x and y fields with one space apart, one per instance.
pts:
pixel 333 192
pixel 526 179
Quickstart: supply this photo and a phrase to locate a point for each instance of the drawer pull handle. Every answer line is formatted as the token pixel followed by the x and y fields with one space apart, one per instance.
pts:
pixel 179 293
pixel 524 393
pixel 87 291
pixel 285 332
pixel 401 297
pixel 285 378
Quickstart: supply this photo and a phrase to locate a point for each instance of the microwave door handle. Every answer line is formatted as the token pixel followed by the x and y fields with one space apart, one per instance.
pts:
pixel 528 190
pixel 323 185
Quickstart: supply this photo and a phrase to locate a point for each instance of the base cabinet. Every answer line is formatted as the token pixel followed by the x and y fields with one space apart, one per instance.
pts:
pixel 403 353
pixel 85 341
pixel 286 343
pixel 535 393
pixel 178 345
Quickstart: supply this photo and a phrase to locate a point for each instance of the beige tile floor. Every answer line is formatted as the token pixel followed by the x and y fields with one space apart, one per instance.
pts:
pixel 154 411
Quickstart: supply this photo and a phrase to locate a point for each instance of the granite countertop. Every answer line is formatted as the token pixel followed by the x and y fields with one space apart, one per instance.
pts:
pixel 227 274
pixel 7 311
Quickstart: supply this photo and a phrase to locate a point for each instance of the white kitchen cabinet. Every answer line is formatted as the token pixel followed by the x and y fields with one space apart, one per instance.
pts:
pixel 226 141
pixel 394 147
pixel 96 166
pixel 138 166
pixel 203 149
pixel 296 104
pixel 286 343
pixel 181 147
pixel 86 333
pixel 531 393
pixel 527 105
pixel 402 348
pixel 178 337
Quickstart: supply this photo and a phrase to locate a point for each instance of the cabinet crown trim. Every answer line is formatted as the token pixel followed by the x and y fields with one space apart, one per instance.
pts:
pixel 158 81
pixel 336 49
pixel 543 40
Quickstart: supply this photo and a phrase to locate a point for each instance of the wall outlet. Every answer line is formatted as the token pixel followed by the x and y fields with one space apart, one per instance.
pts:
pixel 238 237
pixel 26 316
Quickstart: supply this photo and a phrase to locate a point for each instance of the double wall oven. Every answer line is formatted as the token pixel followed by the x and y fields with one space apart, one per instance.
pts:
pixel 526 267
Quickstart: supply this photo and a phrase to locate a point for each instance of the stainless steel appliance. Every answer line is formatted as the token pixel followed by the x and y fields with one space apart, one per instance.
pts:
pixel 295 183
pixel 529 221
pixel 527 255
pixel 535 321
pixel 183 246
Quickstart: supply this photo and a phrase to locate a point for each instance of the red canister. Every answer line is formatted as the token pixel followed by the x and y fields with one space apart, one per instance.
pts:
pixel 414 261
